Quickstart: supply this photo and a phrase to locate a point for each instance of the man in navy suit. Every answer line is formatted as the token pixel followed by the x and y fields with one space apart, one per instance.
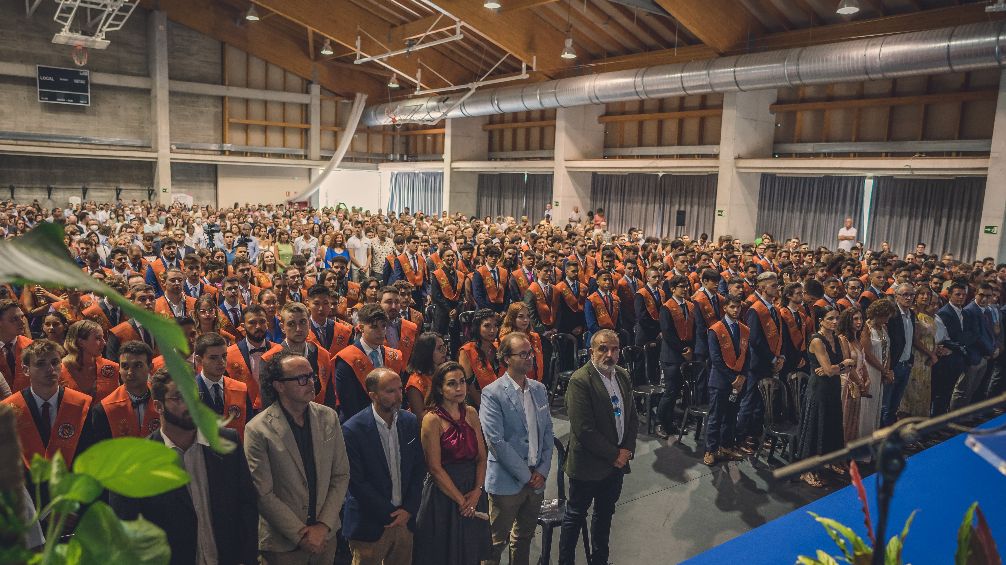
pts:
pixel 960 335
pixel 385 485
pixel 766 358
pixel 981 353
pixel 518 431
pixel 903 339
pixel 726 379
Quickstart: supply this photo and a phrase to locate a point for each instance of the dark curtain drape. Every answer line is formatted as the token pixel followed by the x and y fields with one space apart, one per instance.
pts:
pixel 417 191
pixel 650 202
pixel 810 208
pixel 945 214
pixel 513 194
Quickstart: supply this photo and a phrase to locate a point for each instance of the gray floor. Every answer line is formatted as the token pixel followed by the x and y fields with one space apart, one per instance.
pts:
pixel 673 507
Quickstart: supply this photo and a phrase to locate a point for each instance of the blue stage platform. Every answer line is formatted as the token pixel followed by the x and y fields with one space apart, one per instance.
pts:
pixel 941 482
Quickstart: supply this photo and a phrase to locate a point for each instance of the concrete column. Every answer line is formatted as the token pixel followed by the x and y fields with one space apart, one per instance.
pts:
pixel 578 135
pixel 314 134
pixel 463 141
pixel 994 206
pixel 157 45
pixel 748 131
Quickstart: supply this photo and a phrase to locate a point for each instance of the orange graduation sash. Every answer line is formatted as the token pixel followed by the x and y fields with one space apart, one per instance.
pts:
pixel 651 304
pixel 701 299
pixel 605 318
pixel 686 330
pixel 543 305
pixel 574 302
pixel 65 433
pixel 450 292
pixel 494 291
pixel 122 416
pixel 362 365
pixel 730 357
pixel 484 373
pixel 414 277
pixel 797 336
pixel 769 328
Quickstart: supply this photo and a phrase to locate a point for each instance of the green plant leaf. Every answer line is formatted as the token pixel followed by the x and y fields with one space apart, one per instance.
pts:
pixel 69 553
pixel 804 560
pixel 133 467
pixel 80 488
pixel 892 556
pixel 825 559
pixel 103 538
pixel 41 469
pixel 41 257
pixel 858 545
pixel 964 533
pixel 984 543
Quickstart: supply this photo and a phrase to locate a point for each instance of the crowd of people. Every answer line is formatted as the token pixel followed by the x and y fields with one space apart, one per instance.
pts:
pixel 390 377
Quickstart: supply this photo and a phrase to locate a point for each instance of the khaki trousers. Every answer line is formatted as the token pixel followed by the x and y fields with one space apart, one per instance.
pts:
pixel 513 518
pixel 301 556
pixel 394 548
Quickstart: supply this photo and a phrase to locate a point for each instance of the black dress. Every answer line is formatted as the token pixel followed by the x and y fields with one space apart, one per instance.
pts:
pixel 821 420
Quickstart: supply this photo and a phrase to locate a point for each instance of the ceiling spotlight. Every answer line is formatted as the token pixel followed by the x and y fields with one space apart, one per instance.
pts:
pixel 492 4
pixel 393 83
pixel 848 7
pixel 252 14
pixel 326 48
pixel 568 52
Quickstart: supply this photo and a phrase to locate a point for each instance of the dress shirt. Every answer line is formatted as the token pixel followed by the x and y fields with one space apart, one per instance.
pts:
pixel 52 401
pixel 177 310
pixel 140 402
pixel 199 491
pixel 368 350
pixel 305 445
pixel 255 359
pixel 906 322
pixel 394 333
pixel 960 315
pixel 213 388
pixel 614 391
pixel 530 420
pixel 392 454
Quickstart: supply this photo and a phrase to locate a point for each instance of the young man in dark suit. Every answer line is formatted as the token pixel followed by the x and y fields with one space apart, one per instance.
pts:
pixel 961 335
pixel 729 363
pixel 213 519
pixel 386 472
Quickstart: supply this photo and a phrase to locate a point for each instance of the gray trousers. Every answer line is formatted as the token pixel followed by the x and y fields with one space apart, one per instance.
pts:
pixel 513 519
pixel 967 385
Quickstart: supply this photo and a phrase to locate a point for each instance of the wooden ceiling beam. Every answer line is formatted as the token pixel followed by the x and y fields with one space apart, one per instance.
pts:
pixel 720 24
pixel 265 42
pixel 343 25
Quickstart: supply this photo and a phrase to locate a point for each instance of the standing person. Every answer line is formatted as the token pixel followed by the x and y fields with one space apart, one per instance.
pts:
pixel 918 396
pixel 84 369
pixel 212 519
pixel 448 532
pixel 352 364
pixel 728 342
pixel 982 351
pixel 956 332
pixel 766 356
pixel 478 357
pixel 854 383
pixel 647 306
pixel 430 353
pixel 297 458
pixel 846 236
pixel 518 319
pixel 385 486
pixel 359 254
pixel 520 447
pixel 877 352
pixel 13 342
pixel 226 396
pixel 603 425
pixel 904 340
pixel 129 410
pixel 677 347
pixel 446 292
pixel 821 418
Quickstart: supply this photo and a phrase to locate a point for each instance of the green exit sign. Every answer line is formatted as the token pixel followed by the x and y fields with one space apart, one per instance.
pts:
pixel 719 213
pixel 992 229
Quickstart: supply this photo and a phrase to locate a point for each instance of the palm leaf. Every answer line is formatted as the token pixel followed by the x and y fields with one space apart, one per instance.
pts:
pixel 41 257
pixel 857 480
pixel 964 533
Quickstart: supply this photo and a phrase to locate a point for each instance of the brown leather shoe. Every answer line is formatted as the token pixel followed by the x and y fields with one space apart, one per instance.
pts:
pixel 709 459
pixel 727 454
pixel 744 449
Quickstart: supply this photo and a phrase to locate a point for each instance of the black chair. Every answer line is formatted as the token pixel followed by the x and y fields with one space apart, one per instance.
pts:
pixel 797 383
pixel 465 319
pixel 565 359
pixel 643 392
pixel 552 510
pixel 428 318
pixel 777 432
pixel 692 374
pixel 651 364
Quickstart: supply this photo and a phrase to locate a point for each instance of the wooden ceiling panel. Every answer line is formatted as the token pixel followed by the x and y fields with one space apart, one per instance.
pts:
pixel 720 24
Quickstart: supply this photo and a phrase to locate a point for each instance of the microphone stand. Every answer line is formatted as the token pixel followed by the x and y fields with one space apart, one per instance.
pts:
pixel 888 444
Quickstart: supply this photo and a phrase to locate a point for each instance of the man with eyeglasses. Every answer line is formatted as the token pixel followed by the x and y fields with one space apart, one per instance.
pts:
pixel 603 426
pixel 212 519
pixel 521 445
pixel 981 353
pixel 903 340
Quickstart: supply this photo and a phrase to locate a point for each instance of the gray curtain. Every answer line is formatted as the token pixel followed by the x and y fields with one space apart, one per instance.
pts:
pixel 945 214
pixel 810 208
pixel 417 191
pixel 651 202
pixel 513 194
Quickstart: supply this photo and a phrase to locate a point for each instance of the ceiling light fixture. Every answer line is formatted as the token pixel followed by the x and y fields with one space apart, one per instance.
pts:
pixel 326 48
pixel 492 4
pixel 393 83
pixel 848 7
pixel 567 51
pixel 252 14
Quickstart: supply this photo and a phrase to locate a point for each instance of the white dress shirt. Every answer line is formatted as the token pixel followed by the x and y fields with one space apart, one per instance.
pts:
pixel 530 420
pixel 906 322
pixel 392 454
pixel 52 401
pixel 614 391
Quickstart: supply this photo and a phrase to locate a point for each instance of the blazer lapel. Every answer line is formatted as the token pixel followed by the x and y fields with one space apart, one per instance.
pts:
pixel 322 452
pixel 279 425
pixel 601 391
pixel 375 439
pixel 516 400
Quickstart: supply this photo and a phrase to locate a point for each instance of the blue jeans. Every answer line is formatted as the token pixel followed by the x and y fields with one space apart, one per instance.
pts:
pixel 892 393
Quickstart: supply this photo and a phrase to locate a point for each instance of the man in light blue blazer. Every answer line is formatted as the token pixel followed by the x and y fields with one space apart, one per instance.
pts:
pixel 517 426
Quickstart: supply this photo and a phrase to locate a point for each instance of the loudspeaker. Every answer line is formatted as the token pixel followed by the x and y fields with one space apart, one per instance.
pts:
pixel 680 220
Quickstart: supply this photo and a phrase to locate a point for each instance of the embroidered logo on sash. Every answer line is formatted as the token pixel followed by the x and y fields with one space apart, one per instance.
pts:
pixel 108 371
pixel 154 425
pixel 234 411
pixel 66 431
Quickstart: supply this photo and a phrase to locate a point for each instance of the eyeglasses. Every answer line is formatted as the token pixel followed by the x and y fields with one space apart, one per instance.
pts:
pixel 615 404
pixel 523 354
pixel 302 380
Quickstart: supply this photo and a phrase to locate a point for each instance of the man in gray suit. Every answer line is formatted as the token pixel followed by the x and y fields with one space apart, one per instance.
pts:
pixel 298 463
pixel 517 426
pixel 602 425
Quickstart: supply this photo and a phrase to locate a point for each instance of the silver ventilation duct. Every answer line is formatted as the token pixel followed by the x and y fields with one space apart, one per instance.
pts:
pixel 955 49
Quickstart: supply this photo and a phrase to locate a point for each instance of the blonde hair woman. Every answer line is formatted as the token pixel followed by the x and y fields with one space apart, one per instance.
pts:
pixel 84 369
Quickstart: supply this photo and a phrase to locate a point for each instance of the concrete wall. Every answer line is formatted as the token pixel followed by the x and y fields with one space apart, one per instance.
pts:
pixel 264 185
pixel 67 175
pixel 354 188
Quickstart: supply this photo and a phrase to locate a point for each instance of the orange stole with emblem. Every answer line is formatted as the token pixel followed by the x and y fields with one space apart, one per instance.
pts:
pixel 415 277
pixel 494 291
pixel 122 416
pixel 352 293
pixel 450 292
pixel 521 280
pixel 16 377
pixel 235 405
pixel 407 339
pixel 797 336
pixel 342 334
pixel 574 302
pixel 538 371
pixel 238 370
pixel 686 330
pixel 420 383
pixel 484 373
pixel 362 365
pixel 542 304
pixel 106 378
pixel 65 433
pixel 606 319
pixel 652 308
pixel 705 306
pixel 772 334
pixel 730 357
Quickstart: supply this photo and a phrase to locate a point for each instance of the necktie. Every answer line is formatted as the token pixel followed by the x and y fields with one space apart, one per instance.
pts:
pixel 415 266
pixel 145 336
pixel 632 285
pixel 734 336
pixel 218 400
pixel 46 430
pixel 375 358
pixel 775 315
pixel 137 402
pixel 9 356
pixel 716 303
pixel 684 309
pixel 496 278
pixel 576 288
pixel 235 317
pixel 799 321
pixel 607 303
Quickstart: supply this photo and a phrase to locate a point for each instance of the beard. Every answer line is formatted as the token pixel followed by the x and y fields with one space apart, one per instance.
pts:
pixel 184 422
pixel 257 336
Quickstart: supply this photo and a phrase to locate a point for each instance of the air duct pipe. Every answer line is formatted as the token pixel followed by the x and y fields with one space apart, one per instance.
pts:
pixel 954 49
